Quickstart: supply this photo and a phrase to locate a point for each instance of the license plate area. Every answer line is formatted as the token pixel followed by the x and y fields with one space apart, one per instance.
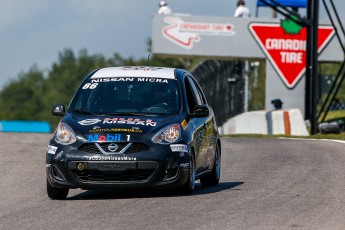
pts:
pixel 111 165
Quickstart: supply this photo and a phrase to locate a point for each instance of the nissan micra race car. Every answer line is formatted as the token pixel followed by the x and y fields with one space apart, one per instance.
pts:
pixel 134 127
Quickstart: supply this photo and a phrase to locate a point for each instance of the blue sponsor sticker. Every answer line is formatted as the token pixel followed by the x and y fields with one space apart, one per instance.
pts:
pixel 103 138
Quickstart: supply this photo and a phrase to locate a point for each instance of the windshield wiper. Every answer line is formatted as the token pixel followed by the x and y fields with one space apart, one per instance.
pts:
pixel 82 111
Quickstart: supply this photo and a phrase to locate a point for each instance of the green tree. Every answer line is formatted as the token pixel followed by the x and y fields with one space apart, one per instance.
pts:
pixel 31 95
pixel 21 99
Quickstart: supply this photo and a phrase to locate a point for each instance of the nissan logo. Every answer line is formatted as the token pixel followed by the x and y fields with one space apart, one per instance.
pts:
pixel 113 147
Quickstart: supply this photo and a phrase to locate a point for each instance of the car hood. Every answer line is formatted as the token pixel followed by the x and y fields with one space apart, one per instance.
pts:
pixel 82 124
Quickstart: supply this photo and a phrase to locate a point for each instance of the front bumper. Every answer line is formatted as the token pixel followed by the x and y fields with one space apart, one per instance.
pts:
pixel 159 167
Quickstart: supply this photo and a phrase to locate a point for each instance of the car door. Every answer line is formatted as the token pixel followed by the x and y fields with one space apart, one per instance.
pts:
pixel 199 124
pixel 211 129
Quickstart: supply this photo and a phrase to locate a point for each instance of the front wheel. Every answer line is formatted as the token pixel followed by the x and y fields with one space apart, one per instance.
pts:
pixel 188 187
pixel 56 193
pixel 212 179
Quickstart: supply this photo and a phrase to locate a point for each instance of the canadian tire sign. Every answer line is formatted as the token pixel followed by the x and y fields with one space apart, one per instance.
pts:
pixel 286 49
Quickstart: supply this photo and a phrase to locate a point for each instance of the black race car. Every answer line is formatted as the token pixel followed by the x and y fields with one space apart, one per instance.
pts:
pixel 134 127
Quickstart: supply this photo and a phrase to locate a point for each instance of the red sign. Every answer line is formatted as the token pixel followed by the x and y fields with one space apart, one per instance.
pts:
pixel 287 52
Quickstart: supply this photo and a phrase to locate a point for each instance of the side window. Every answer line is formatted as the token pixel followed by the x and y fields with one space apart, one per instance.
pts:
pixel 190 95
pixel 195 92
pixel 200 92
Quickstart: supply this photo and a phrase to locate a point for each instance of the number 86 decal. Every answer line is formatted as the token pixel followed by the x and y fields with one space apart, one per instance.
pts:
pixel 90 86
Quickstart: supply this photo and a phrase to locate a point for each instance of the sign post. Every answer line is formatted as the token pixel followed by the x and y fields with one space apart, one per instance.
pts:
pixel 313 9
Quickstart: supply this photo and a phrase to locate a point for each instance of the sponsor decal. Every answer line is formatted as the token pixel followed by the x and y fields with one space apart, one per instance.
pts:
pixel 112 158
pixel 89 121
pixel 184 124
pixel 90 86
pixel 285 46
pixel 152 79
pixel 131 79
pixel 184 165
pixel 51 149
pixel 103 138
pixel 141 68
pixel 185 34
pixel 129 121
pixel 116 130
pixel 179 148
pixel 137 129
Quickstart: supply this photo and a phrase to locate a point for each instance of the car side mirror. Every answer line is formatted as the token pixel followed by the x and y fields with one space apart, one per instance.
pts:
pixel 58 110
pixel 200 111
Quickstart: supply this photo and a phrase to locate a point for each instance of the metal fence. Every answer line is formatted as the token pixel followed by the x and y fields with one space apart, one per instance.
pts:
pixel 223 85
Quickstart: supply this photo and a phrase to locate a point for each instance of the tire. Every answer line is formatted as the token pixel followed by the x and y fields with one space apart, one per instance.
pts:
pixel 56 193
pixel 212 179
pixel 188 187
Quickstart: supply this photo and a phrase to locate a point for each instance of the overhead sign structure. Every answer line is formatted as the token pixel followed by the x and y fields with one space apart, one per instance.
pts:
pixel 285 47
pixel 215 37
pixel 281 43
pixel 185 34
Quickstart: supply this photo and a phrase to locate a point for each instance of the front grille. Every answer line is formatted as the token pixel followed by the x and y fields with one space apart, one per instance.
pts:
pixel 121 176
pixel 137 147
pixel 89 148
pixel 134 148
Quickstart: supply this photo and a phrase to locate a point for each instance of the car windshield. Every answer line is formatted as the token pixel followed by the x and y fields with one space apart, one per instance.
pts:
pixel 127 95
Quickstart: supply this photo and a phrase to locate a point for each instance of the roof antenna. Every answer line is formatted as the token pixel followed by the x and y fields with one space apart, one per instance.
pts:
pixel 148 60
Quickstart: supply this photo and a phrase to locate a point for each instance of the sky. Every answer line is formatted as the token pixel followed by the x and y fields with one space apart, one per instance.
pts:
pixel 34 32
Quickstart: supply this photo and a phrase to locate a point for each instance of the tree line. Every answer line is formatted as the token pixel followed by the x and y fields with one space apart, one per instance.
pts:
pixel 31 95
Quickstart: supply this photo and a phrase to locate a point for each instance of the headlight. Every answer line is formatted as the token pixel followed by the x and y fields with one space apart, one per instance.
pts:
pixel 64 134
pixel 168 135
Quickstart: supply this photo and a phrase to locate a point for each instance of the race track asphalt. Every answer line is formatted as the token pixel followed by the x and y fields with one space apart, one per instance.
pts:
pixel 265 184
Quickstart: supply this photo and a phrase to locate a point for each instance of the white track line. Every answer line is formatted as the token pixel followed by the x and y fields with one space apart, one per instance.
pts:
pixel 332 140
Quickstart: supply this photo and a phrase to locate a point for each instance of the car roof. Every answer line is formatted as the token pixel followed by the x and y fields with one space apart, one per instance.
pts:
pixel 135 71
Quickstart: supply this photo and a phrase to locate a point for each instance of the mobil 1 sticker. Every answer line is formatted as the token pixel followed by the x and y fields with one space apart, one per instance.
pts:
pixel 109 137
